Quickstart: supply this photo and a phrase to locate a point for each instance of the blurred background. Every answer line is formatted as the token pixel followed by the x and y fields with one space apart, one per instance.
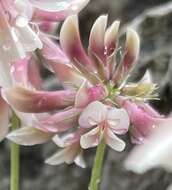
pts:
pixel 153 21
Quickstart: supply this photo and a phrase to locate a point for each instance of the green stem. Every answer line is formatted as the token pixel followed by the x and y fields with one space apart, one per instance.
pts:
pixel 97 168
pixel 15 157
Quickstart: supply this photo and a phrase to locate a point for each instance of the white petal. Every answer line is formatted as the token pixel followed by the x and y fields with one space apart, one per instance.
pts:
pixel 113 141
pixel 29 136
pixel 66 155
pixel 118 120
pixel 90 139
pixel 79 161
pixel 93 114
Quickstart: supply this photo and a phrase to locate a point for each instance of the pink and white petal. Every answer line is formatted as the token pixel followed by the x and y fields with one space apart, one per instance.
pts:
pixel 4 118
pixel 118 120
pixel 132 48
pixel 29 136
pixel 66 155
pixel 61 121
pixel 71 42
pixel 113 141
pixel 28 38
pixel 33 101
pixel 93 114
pixel 97 35
pixel 156 150
pixel 91 138
pixel 111 38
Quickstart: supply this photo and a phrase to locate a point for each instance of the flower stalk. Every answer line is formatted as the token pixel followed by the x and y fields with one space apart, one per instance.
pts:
pixel 15 157
pixel 97 168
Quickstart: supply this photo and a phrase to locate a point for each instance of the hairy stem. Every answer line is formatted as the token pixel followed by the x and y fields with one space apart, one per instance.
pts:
pixel 15 157
pixel 97 168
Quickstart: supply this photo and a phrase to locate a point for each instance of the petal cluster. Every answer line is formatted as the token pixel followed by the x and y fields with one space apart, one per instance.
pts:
pixel 95 103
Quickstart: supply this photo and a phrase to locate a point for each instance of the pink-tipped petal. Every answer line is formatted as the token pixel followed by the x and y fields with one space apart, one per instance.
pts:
pixel 29 136
pixel 4 118
pixel 93 114
pixel 91 138
pixel 113 141
pixel 118 120
pixel 71 42
pixel 97 35
pixel 132 47
pixel 111 37
pixel 26 100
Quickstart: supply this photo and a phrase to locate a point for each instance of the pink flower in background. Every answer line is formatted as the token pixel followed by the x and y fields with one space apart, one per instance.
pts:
pixel 155 152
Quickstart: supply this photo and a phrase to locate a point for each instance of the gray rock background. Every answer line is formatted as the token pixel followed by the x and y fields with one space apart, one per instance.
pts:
pixel 153 20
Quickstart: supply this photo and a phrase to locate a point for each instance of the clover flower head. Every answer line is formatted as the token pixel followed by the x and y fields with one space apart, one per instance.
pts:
pixel 97 102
